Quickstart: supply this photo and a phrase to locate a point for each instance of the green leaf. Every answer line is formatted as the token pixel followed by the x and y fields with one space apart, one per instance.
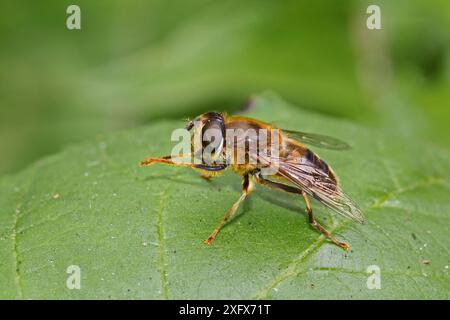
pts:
pixel 137 232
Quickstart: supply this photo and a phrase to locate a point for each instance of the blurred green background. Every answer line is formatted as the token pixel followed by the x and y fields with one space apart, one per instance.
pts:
pixel 134 62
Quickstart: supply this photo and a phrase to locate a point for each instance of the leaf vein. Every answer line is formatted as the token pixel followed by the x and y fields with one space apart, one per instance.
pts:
pixel 17 279
pixel 162 245
pixel 292 269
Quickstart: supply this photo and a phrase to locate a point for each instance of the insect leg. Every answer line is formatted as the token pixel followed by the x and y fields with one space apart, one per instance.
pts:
pixel 277 185
pixel 246 189
pixel 168 160
pixel 316 225
pixel 311 219
pixel 206 176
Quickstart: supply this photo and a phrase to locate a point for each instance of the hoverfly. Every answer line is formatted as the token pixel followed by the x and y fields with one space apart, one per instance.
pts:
pixel 298 169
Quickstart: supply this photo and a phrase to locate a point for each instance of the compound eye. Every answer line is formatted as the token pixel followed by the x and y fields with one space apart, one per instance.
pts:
pixel 212 137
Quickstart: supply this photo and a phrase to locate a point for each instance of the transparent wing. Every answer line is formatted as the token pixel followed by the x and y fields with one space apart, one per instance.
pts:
pixel 317 184
pixel 317 140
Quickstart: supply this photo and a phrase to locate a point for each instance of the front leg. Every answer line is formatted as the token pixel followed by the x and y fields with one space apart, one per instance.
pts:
pixel 168 160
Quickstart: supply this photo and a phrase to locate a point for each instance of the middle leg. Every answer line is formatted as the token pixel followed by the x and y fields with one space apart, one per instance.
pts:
pixel 247 187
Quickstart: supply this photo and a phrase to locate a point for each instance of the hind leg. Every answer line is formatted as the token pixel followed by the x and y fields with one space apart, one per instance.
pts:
pixel 311 219
pixel 321 229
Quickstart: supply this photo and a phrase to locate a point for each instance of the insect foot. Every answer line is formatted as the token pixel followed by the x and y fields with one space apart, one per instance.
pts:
pixel 147 162
pixel 208 241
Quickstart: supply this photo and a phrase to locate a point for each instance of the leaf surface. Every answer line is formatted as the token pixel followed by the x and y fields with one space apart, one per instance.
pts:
pixel 137 232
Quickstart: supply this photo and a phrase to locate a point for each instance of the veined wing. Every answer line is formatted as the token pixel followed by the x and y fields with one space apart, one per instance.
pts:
pixel 317 183
pixel 317 140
